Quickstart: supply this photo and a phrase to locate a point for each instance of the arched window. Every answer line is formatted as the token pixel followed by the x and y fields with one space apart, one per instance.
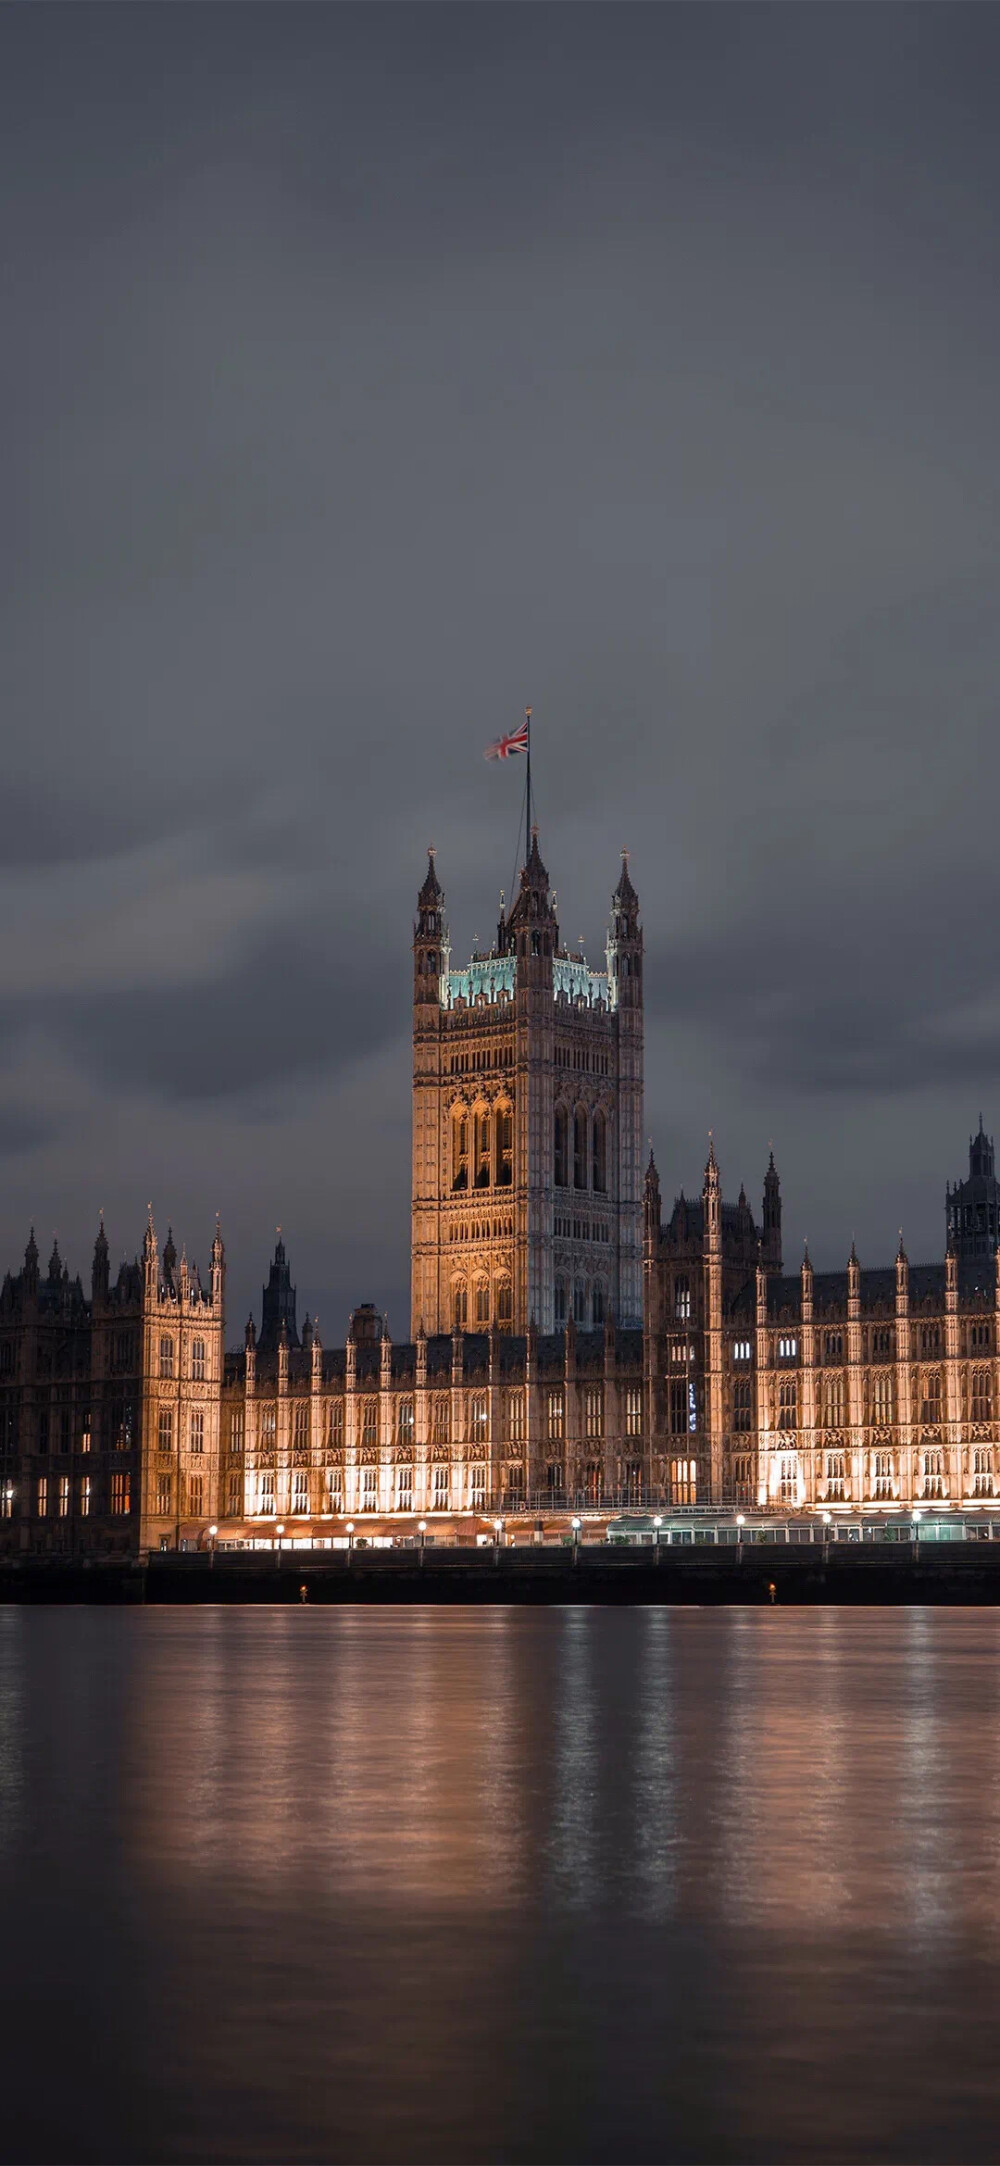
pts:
pixel 600 1153
pixel 788 1404
pixel 562 1148
pixel 579 1302
pixel 459 1305
pixel 481 1120
pixel 460 1149
pixel 598 1306
pixel 561 1304
pixel 505 1305
pixel 198 1360
pixel 166 1357
pixel 580 1147
pixel 482 1302
pixel 504 1159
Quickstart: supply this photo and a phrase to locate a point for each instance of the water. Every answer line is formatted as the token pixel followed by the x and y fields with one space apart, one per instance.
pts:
pixel 511 1885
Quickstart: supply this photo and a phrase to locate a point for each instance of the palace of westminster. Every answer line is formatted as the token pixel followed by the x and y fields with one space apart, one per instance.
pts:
pixel 570 1348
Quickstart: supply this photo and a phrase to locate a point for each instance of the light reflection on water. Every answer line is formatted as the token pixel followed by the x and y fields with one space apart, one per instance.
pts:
pixel 499 1884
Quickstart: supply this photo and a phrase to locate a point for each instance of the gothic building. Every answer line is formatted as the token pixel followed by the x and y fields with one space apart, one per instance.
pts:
pixel 570 1348
pixel 527 1120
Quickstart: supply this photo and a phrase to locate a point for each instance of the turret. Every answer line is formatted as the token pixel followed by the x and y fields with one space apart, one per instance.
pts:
pixel 625 943
pixel 100 1272
pixel 771 1222
pixel 651 1201
pixel 902 1277
pixel 218 1267
pixel 532 927
pixel 711 1198
pixel 150 1260
pixel 31 1264
pixel 278 1303
pixel 429 938
pixel 250 1343
pixel 169 1258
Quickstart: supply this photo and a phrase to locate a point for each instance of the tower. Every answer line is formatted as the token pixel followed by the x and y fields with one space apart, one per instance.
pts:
pixel 972 1207
pixel 527 1119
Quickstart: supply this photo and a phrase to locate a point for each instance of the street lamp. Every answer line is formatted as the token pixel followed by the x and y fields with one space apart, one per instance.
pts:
pixel 657 1524
pixel 212 1532
pixel 350 1540
pixel 740 1524
pixel 279 1531
pixel 827 1521
pixel 497 1531
pixel 916 1532
pixel 575 1524
pixel 422 1531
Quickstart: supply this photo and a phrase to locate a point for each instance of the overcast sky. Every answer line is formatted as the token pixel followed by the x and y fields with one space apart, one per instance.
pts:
pixel 368 374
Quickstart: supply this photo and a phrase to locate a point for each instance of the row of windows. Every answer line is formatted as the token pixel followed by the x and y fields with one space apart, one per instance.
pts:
pixel 579 1229
pixel 584 1058
pixel 580 1149
pixel 480 1302
pixel 481 1057
pixel 482 1147
pixel 590 1304
pixel 512 1413
pixel 55 1496
pixel 168 1356
pixel 165 1429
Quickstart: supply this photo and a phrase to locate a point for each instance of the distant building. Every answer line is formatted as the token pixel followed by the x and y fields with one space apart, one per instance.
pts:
pixel 569 1348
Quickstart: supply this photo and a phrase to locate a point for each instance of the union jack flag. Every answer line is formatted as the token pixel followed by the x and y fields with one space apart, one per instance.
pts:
pixel 516 742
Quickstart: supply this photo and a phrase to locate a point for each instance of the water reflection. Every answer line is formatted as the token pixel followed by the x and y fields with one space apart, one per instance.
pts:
pixel 500 1884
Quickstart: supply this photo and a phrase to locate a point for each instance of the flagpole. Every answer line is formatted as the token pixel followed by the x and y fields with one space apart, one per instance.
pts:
pixel 527 838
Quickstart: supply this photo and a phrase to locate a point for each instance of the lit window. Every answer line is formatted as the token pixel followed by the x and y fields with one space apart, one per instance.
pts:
pixel 404 1488
pixel 478 1480
pixel 633 1410
pixel 788 1349
pixel 479 1417
pixel 85 1497
pixel 63 1501
pixel 163 1495
pixel 741 1350
pixel 441 1486
pixel 684 1481
pixel 593 1411
pixel 300 1494
pixel 42 1496
pixel 555 1415
pixel 404 1424
pixel 121 1491
pixel 369 1489
pixel 512 1415
pixel 682 1300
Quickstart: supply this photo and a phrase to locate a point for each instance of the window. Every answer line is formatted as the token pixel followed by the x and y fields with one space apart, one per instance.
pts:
pixel 460 1149
pixel 265 1494
pixel 441 1485
pixel 481 1124
pixel 234 1495
pixel 369 1489
pixel 835 1477
pixel 335 1429
pixel 164 1488
pixel 85 1497
pixel 121 1491
pixel 196 1495
pixel 742 1390
pixel 684 1481
pixel 882 1396
pixel 933 1484
pixel 479 1416
pixel 300 1428
pixel 404 1488
pixel 236 1430
pixel 198 1360
pixel 788 1480
pixel 788 1403
pixel 597 1304
pixel 335 1488
pixel 979 1337
pixel 64 1426
pixel 678 1406
pixel 7 1358
pixel 404 1425
pixel 882 1475
pixel 504 1120
pixel 369 1421
pixel 682 1300
pixel 165 1429
pixel 440 1421
pixel 197 1429
pixel 478 1480
pixel 482 1302
pixel 930 1338
pixel 982 1474
pixel 300 1494
pixel 512 1415
pixel 833 1346
pixel 166 1357
pixel 743 1477
pixel 632 1483
pixel 85 1433
pixel 881 1340
pixel 554 1416
pixel 633 1410
pixel 982 1395
pixel 459 1305
pixel 505 1305
pixel 580 1148
pixel 562 1307
pixel 833 1402
pixel 579 1302
pixel 599 1153
pixel 788 1349
pixel 43 1431
pixel 593 1411
pixel 741 1350
pixel 930 1397
pixel 561 1148
pixel 63 1497
pixel 554 1483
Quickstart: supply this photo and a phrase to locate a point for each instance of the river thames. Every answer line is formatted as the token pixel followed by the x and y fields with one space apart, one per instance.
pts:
pixel 530 1885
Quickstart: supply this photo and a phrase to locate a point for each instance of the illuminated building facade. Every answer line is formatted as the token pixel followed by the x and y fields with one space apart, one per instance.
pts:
pixel 570 1349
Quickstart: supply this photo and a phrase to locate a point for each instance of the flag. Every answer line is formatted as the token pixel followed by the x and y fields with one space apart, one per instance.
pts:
pixel 516 742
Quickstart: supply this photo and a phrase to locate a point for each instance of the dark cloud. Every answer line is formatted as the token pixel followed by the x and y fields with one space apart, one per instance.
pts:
pixel 367 372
